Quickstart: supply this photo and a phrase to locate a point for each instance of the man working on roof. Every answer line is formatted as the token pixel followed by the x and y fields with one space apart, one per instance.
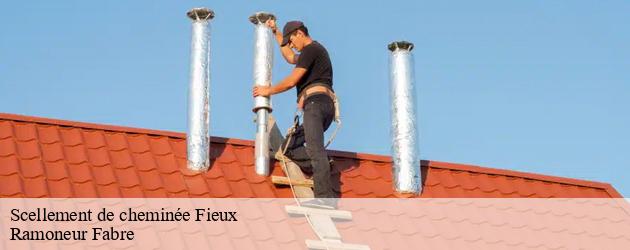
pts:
pixel 313 78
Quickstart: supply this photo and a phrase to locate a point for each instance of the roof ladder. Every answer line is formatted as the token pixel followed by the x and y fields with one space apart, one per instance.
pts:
pixel 321 220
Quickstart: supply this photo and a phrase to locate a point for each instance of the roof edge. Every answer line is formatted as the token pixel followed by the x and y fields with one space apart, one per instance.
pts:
pixel 344 154
pixel 613 192
pixel 106 127
pixel 541 177
pixel 116 128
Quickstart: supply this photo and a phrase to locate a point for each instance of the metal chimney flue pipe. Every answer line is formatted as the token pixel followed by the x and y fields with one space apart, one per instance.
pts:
pixel 406 168
pixel 198 137
pixel 263 63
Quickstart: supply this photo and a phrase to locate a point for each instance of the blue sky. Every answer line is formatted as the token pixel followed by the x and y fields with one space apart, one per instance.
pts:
pixel 534 86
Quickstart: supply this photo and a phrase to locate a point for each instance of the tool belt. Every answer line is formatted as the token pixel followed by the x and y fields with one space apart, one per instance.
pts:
pixel 314 89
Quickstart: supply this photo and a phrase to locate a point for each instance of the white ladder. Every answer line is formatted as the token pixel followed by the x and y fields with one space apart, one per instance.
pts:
pixel 321 220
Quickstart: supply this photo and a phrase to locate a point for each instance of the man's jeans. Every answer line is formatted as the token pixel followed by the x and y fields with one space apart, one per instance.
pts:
pixel 306 147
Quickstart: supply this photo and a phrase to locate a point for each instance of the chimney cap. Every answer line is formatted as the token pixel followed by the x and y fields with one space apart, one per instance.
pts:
pixel 400 45
pixel 199 14
pixel 261 17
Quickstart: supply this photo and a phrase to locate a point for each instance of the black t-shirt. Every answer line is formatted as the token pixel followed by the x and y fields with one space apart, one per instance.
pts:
pixel 314 58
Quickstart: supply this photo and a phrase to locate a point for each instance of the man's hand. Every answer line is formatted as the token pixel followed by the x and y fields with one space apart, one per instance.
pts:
pixel 272 25
pixel 262 91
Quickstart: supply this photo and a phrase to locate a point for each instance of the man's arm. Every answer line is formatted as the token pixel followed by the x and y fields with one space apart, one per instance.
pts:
pixel 289 81
pixel 284 85
pixel 287 52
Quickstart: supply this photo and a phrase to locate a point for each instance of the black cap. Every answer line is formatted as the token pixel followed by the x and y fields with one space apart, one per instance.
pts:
pixel 288 29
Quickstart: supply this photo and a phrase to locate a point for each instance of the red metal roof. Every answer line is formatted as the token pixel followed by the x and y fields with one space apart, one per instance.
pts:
pixel 42 157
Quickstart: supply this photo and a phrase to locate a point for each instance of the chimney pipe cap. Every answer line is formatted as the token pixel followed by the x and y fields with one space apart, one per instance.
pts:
pixel 400 45
pixel 261 17
pixel 200 14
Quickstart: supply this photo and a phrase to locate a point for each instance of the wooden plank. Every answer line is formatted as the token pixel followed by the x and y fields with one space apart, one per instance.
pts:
pixel 324 245
pixel 337 214
pixel 293 171
pixel 281 180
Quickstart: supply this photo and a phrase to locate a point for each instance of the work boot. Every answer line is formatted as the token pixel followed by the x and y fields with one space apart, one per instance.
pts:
pixel 321 203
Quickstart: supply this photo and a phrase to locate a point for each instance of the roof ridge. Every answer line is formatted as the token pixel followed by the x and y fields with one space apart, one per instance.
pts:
pixel 345 154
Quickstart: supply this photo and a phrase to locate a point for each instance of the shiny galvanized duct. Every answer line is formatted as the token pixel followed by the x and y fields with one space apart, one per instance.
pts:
pixel 263 62
pixel 198 137
pixel 406 169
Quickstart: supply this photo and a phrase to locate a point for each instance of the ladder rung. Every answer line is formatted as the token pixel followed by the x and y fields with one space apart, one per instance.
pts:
pixel 313 244
pixel 281 180
pixel 337 214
